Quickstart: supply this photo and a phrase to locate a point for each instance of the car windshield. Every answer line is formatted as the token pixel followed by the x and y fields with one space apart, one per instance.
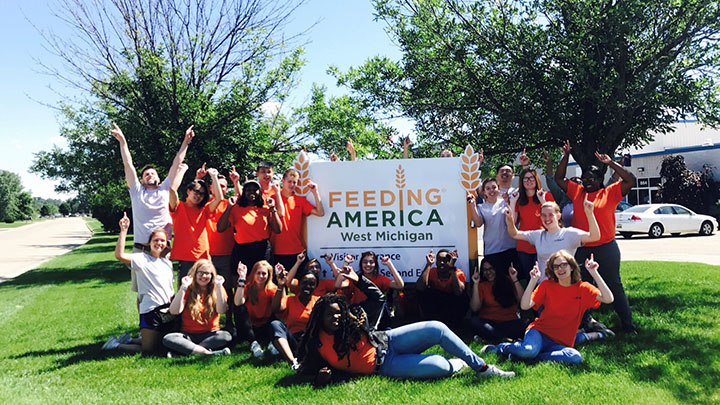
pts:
pixel 637 208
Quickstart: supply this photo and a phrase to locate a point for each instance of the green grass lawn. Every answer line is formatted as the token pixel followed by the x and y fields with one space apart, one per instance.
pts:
pixel 16 224
pixel 54 320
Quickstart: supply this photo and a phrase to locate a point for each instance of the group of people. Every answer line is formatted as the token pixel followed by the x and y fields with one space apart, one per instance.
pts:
pixel 245 257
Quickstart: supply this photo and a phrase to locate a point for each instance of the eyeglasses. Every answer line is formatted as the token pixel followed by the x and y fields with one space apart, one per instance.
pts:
pixel 528 179
pixel 197 191
pixel 203 273
pixel 563 265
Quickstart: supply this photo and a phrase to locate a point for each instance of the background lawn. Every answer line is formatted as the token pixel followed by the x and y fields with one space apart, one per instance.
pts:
pixel 54 320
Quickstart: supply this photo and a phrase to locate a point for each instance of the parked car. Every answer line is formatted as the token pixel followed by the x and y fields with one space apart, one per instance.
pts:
pixel 657 219
pixel 622 206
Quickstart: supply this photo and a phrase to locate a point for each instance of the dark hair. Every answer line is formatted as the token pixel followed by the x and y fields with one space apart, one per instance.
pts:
pixel 375 259
pixel 264 164
pixel 243 202
pixel 502 288
pixel 523 199
pixel 195 183
pixel 349 333
pixel 596 172
pixel 289 172
pixel 497 168
pixel 146 167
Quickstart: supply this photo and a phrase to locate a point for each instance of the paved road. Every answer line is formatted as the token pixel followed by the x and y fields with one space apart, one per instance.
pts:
pixel 26 247
pixel 683 248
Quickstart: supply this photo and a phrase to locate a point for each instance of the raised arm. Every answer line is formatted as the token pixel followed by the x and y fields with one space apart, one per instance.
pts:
pixel 511 228
pixel 319 210
pixel 351 149
pixel 476 218
pixel 224 221
pixel 273 217
pixel 397 282
pixel 221 299
pixel 180 155
pixel 216 190
pixel 178 303
pixel 174 198
pixel 130 173
pixel 606 296
pixel 628 180
pixel 299 259
pixel 422 281
pixel 594 234
pixel 560 179
pixel 457 286
pixel 526 301
pixel 120 245
pixel 406 147
pixel 475 301
pixel 517 287
pixel 240 290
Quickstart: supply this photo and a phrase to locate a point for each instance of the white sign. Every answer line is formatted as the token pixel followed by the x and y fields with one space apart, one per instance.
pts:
pixel 401 208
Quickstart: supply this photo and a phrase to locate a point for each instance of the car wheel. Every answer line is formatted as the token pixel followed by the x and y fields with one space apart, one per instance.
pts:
pixel 675 234
pixel 706 228
pixel 626 235
pixel 656 230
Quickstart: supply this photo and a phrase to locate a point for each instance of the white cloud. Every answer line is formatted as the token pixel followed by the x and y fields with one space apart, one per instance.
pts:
pixel 58 140
pixel 270 108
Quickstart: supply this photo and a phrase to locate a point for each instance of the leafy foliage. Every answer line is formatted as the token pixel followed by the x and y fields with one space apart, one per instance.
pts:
pixel 693 189
pixel 509 75
pixel 15 204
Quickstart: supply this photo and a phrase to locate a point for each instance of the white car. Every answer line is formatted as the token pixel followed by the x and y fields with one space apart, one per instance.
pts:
pixel 656 219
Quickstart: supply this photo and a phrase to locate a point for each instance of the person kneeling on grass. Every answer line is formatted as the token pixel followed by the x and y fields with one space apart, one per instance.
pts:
pixel 200 300
pixel 565 298
pixel 154 274
pixel 338 342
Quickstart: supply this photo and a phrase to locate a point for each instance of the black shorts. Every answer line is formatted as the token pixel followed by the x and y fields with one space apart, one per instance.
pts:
pixel 158 319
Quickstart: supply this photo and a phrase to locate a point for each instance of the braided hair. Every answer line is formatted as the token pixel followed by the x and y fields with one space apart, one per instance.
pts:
pixel 349 333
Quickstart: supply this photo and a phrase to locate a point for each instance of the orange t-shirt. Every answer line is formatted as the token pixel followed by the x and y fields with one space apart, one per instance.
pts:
pixel 443 285
pixel 221 243
pixel 362 360
pixel 491 309
pixel 190 227
pixel 288 242
pixel 260 312
pixel 380 281
pixel 564 308
pixel 606 200
pixel 296 315
pixel 325 286
pixel 189 325
pixel 251 223
pixel 529 216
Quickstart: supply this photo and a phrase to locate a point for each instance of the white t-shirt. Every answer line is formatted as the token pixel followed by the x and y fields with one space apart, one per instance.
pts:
pixel 547 243
pixel 495 238
pixel 154 280
pixel 151 210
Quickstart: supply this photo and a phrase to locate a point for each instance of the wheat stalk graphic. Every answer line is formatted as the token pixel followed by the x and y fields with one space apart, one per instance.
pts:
pixel 400 183
pixel 301 164
pixel 470 173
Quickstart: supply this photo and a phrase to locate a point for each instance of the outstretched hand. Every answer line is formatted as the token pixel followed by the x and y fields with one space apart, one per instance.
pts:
pixel 124 222
pixel 588 205
pixel 385 260
pixel 234 177
pixel 117 133
pixel 535 272
pixel 219 280
pixel 280 274
pixel 201 172
pixel 301 257
pixel 524 159
pixel 603 158
pixel 241 270
pixel 430 257
pixel 566 147
pixel 186 281
pixel 348 273
pixel 189 134
pixel 591 265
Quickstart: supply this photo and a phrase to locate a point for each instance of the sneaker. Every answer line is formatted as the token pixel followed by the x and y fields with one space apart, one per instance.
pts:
pixel 489 349
pixel 111 344
pixel 457 364
pixel 295 366
pixel 125 338
pixel 492 371
pixel 255 348
pixel 477 339
pixel 273 350
pixel 169 355
pixel 222 352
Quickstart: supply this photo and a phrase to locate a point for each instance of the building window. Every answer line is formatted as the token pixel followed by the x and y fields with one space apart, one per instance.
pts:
pixel 646 191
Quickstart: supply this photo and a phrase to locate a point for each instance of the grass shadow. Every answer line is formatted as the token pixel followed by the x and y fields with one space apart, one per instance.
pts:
pixel 108 272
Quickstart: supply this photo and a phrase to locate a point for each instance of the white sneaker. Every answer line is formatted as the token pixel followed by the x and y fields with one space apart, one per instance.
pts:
pixel 493 371
pixel 457 364
pixel 255 348
pixel 222 352
pixel 169 355
pixel 125 338
pixel 111 344
pixel 273 350
pixel 295 366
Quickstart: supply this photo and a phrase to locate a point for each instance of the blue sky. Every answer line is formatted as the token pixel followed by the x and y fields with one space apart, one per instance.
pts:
pixel 345 36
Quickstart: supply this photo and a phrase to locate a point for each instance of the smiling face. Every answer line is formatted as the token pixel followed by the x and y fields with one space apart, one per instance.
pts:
pixel 488 272
pixel 251 192
pixel 158 242
pixel 195 195
pixel 491 190
pixel 308 284
pixel 331 318
pixel 529 181
pixel 204 275
pixel 505 175
pixel 289 183
pixel 264 175
pixel 150 178
pixel 261 275
pixel 562 270
pixel 550 217
pixel 368 263
pixel 591 181
pixel 443 262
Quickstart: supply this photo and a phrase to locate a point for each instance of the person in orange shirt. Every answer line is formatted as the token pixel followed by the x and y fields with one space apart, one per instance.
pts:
pixel 268 188
pixel 494 303
pixel 338 342
pixel 526 203
pixel 605 250
pixel 288 243
pixel 254 304
pixel 441 289
pixel 190 221
pixel 200 300
pixel 370 269
pixel 565 298
pixel 294 312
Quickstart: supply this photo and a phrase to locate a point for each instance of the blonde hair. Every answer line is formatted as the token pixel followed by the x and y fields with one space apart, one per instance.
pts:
pixel 550 273
pixel 202 301
pixel 252 287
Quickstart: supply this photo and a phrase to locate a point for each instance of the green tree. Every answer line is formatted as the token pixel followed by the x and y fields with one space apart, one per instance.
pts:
pixel 48 208
pixel 155 67
pixel 10 190
pixel 693 189
pixel 509 75
pixel 25 204
pixel 64 209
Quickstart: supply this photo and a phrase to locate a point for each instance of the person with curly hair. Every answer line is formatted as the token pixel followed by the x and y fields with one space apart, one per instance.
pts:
pixel 200 301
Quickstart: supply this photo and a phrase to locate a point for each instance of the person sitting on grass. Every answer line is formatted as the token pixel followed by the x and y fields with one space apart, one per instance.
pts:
pixel 441 289
pixel 200 301
pixel 565 298
pixel 293 310
pixel 154 276
pixel 254 301
pixel 494 303
pixel 338 343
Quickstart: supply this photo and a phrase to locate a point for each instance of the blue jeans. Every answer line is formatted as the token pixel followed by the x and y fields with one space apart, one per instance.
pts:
pixel 404 358
pixel 497 330
pixel 537 345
